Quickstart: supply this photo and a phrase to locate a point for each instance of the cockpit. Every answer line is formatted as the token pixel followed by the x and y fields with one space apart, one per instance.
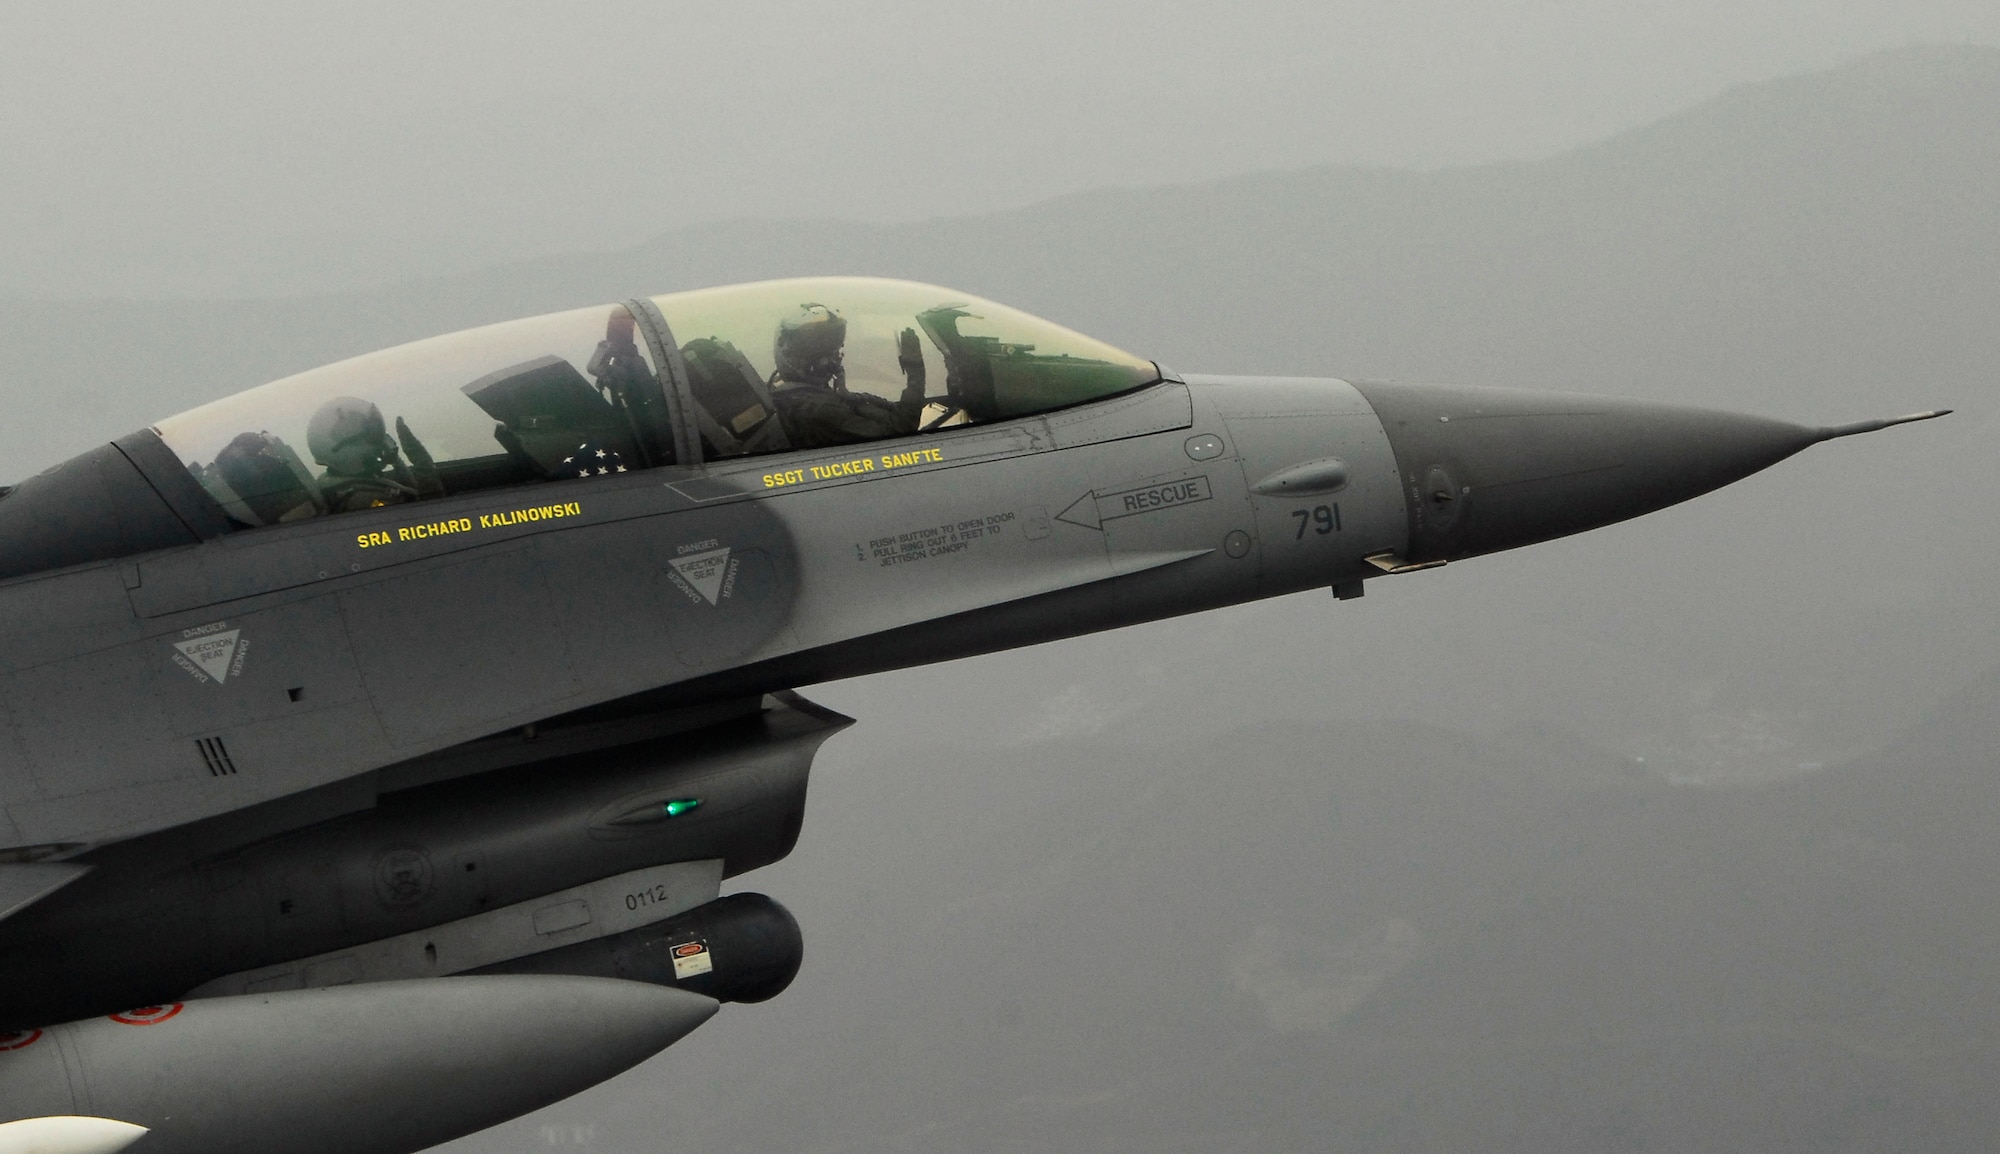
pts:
pixel 799 364
pixel 709 374
pixel 556 397
pixel 680 379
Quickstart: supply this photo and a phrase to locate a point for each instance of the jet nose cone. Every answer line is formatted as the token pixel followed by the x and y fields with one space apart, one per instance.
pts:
pixel 1489 469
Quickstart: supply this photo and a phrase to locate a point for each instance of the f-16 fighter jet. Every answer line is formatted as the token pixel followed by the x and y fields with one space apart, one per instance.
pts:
pixel 376 742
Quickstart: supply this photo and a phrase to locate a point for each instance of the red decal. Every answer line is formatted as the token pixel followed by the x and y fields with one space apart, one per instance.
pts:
pixel 147 1015
pixel 18 1040
pixel 689 950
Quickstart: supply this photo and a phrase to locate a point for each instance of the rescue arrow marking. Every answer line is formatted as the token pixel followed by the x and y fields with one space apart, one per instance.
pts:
pixel 1093 509
pixel 1083 511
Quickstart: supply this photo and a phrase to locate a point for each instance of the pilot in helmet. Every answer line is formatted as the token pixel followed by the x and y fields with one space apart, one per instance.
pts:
pixel 809 388
pixel 363 468
pixel 809 347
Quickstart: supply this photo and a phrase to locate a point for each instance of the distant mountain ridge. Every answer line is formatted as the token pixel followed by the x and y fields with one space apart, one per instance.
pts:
pixel 1823 248
pixel 1784 202
pixel 1389 876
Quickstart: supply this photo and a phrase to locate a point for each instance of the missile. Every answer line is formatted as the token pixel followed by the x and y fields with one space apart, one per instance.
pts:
pixel 68 1134
pixel 383 1068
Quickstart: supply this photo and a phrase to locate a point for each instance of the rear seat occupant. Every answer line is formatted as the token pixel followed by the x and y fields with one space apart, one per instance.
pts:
pixel 498 407
pixel 363 468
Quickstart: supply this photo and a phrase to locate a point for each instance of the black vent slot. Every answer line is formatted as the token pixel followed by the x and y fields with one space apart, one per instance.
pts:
pixel 215 755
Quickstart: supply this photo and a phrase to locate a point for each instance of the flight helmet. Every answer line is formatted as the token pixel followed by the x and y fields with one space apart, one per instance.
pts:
pixel 808 346
pixel 348 436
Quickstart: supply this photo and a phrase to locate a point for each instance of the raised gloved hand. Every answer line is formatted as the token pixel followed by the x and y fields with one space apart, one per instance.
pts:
pixel 422 468
pixel 910 355
pixel 413 448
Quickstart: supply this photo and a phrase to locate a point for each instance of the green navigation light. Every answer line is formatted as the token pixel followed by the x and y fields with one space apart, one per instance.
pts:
pixel 680 805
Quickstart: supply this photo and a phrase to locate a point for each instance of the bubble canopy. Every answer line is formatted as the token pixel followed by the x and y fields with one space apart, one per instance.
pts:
pixel 944 357
pixel 744 369
pixel 501 405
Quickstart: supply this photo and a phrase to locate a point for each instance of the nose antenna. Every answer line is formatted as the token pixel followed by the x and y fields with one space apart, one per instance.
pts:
pixel 1830 432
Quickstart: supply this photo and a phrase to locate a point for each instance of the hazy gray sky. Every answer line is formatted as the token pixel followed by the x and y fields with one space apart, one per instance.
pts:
pixel 1058 891
pixel 206 147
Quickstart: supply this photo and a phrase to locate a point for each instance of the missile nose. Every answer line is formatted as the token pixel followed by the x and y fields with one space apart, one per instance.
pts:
pixel 1486 469
pixel 69 1134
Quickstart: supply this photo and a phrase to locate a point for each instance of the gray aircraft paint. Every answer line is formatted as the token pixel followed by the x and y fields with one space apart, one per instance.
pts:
pixel 481 843
pixel 319 737
pixel 355 657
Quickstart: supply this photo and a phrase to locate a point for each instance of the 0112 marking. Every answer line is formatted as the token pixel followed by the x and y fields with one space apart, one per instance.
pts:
pixel 653 895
